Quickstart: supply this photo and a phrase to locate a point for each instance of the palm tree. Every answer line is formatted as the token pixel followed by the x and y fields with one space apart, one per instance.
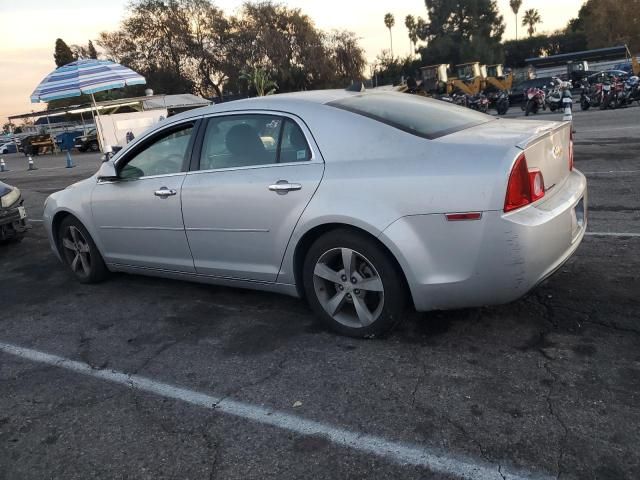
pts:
pixel 410 23
pixel 389 22
pixel 531 18
pixel 515 6
pixel 260 80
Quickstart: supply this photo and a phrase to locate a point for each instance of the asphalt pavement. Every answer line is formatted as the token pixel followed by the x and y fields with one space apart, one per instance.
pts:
pixel 142 378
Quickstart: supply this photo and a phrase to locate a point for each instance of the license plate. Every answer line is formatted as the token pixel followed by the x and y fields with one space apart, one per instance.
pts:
pixel 23 213
pixel 606 88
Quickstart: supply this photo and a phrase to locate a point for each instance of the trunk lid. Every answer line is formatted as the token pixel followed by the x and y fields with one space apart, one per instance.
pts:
pixel 546 144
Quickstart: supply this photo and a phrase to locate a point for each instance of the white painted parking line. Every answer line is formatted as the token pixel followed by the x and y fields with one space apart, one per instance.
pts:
pixel 613 234
pixel 612 172
pixel 401 453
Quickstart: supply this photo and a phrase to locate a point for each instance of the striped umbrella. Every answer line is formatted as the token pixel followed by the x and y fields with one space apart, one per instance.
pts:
pixel 84 77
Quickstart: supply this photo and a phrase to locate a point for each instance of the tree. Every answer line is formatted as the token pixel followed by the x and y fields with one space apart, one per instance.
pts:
pixel 531 19
pixel 461 31
pixel 192 46
pixel 607 23
pixel 8 127
pixel 410 23
pixel 91 50
pixel 62 53
pixel 260 81
pixel 515 7
pixel 389 22
pixel 81 51
pixel 347 56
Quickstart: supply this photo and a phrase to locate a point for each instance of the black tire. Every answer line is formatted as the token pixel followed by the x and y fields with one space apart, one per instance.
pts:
pixel 97 270
pixel 93 146
pixel 395 292
pixel 605 102
pixel 527 108
pixel 584 105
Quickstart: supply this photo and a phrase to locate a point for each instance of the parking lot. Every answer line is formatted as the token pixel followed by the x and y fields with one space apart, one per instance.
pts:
pixel 142 378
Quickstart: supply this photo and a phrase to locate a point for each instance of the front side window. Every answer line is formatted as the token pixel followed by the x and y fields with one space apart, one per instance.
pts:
pixel 166 155
pixel 252 140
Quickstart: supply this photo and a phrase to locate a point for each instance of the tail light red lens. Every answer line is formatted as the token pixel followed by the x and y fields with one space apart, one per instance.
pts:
pixel 525 186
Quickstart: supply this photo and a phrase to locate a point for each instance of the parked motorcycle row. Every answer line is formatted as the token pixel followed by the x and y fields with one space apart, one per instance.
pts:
pixel 556 96
pixel 480 102
pixel 612 93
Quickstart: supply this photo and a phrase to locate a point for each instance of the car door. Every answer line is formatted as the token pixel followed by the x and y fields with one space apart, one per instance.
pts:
pixel 139 216
pixel 254 175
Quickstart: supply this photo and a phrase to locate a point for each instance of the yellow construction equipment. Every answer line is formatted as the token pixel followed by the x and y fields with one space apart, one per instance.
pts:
pixel 470 78
pixel 497 78
pixel 635 66
pixel 435 78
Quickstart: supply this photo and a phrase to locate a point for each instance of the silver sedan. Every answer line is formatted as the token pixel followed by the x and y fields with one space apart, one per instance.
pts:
pixel 362 203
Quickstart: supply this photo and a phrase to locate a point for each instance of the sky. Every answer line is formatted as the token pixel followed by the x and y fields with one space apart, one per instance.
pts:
pixel 30 28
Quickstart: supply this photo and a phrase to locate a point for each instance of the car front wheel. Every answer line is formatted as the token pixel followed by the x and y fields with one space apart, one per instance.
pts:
pixel 80 253
pixel 353 285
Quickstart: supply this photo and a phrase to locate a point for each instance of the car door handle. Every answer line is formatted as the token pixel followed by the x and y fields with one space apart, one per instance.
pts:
pixel 165 192
pixel 283 187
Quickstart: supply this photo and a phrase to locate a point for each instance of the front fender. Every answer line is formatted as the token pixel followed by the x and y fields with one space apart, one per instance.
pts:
pixel 74 200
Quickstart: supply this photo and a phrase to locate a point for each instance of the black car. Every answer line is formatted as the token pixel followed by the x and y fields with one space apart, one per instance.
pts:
pixel 13 216
pixel 87 142
pixel 518 90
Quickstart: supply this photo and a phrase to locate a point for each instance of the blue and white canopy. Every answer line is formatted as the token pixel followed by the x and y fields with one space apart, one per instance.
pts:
pixel 84 77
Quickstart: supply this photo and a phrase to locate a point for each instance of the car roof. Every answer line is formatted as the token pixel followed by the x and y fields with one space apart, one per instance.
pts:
pixel 283 101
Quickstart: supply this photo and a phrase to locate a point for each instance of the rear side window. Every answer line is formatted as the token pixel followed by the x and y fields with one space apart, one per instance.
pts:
pixel 251 140
pixel 413 114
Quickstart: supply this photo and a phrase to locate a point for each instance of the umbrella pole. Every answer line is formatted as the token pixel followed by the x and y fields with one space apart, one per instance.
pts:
pixel 98 130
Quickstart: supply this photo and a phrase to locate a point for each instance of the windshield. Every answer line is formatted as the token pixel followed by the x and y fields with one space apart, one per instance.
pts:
pixel 413 114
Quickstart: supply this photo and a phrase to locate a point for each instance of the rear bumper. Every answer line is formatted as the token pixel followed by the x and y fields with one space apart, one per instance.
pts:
pixel 491 261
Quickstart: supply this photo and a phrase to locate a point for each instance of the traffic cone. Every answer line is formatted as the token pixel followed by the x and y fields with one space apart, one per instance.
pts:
pixel 32 165
pixel 69 161
pixel 3 166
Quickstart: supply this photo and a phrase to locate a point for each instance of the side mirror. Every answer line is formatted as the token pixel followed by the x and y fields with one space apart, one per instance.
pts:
pixel 107 171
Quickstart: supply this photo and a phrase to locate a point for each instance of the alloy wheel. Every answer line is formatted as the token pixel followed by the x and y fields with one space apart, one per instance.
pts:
pixel 77 251
pixel 348 287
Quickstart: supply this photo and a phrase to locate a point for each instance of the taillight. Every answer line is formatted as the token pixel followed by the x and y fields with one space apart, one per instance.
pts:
pixel 525 186
pixel 570 148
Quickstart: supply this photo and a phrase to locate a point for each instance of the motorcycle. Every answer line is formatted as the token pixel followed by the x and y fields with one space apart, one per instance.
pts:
pixel 478 102
pixel 559 95
pixel 591 95
pixel 500 101
pixel 610 91
pixel 535 101
pixel 634 83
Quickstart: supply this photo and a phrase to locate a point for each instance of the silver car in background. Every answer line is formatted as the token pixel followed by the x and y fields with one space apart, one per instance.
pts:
pixel 358 202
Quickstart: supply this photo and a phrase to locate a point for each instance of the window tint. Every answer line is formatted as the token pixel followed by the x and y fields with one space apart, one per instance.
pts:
pixel 412 113
pixel 164 156
pixel 294 147
pixel 240 141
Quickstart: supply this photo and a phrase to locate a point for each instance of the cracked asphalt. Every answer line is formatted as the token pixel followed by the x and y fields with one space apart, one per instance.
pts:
pixel 549 384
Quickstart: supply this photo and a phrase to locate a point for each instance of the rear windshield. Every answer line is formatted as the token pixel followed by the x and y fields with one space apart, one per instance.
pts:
pixel 413 114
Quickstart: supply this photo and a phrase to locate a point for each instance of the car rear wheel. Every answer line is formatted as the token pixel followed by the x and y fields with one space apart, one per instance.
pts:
pixel 353 285
pixel 80 253
pixel 93 146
